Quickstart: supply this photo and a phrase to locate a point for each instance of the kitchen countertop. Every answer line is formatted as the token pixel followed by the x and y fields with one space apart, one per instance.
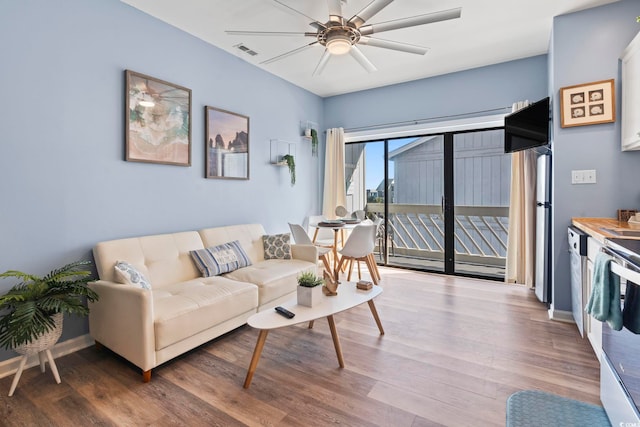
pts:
pixel 595 227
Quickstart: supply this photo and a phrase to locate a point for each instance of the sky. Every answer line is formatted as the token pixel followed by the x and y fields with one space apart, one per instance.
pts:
pixel 374 159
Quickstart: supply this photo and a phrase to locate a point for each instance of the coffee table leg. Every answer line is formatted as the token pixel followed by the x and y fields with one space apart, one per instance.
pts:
pixel 256 356
pixel 336 340
pixel 372 307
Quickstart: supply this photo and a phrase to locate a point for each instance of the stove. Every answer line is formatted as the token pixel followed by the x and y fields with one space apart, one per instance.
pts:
pixel 620 365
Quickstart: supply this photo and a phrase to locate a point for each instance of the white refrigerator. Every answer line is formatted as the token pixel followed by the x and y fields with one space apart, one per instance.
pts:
pixel 543 229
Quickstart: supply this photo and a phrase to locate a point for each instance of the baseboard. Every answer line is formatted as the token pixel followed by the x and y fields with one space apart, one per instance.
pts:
pixel 561 316
pixel 10 366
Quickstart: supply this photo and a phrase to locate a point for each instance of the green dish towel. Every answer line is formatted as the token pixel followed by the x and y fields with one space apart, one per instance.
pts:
pixel 604 301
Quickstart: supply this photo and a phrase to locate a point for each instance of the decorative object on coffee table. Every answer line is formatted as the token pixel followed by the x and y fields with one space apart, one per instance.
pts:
pixel 309 289
pixel 364 285
pixel 32 323
pixel 330 287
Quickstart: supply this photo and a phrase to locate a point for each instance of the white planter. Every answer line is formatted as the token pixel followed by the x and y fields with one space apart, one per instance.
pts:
pixel 44 341
pixel 309 296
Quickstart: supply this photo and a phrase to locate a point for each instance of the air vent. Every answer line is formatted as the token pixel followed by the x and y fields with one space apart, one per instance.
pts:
pixel 246 49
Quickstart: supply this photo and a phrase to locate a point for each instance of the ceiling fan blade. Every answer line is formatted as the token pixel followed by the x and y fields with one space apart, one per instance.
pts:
pixel 291 52
pixel 323 62
pixel 389 44
pixel 335 10
pixel 369 10
pixel 428 18
pixel 359 56
pixel 313 20
pixel 269 33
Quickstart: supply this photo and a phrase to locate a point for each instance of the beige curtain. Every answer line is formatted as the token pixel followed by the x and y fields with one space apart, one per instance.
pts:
pixel 520 264
pixel 334 183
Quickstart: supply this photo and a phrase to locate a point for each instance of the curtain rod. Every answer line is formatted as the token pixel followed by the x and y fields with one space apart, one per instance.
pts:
pixel 427 120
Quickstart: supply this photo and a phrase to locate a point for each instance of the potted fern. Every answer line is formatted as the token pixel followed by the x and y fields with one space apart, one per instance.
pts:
pixel 309 289
pixel 32 309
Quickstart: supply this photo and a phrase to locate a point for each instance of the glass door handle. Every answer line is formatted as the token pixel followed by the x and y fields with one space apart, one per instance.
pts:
pixel 442 204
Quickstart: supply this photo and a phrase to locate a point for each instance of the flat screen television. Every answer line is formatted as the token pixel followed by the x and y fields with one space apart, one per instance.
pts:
pixel 527 128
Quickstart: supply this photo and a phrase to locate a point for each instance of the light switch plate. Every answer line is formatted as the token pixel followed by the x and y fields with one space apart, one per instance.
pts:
pixel 583 176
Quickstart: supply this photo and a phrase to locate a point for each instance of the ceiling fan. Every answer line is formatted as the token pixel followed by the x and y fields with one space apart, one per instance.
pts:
pixel 340 36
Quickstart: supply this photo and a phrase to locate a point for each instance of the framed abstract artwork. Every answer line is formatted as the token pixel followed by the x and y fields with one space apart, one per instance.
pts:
pixel 158 121
pixel 226 144
pixel 588 104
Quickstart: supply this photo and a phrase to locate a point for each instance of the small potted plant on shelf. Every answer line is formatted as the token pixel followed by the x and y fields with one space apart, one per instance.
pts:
pixel 288 158
pixel 309 289
pixel 32 309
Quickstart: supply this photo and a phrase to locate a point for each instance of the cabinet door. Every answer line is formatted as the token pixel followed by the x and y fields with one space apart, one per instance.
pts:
pixel 631 96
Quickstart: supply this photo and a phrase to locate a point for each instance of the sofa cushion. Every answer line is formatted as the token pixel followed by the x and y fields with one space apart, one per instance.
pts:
pixel 129 275
pixel 249 236
pixel 220 259
pixel 274 277
pixel 277 246
pixel 162 258
pixel 184 309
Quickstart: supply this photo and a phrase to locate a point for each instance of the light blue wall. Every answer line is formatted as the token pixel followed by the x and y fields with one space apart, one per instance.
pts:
pixel 585 48
pixel 63 182
pixel 480 89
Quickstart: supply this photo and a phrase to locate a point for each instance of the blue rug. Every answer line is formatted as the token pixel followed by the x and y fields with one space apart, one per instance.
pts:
pixel 532 408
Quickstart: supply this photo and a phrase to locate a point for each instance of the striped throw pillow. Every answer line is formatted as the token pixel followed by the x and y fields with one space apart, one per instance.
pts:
pixel 220 259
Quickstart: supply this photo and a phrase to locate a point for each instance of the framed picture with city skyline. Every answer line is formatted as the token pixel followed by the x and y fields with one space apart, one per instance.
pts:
pixel 226 144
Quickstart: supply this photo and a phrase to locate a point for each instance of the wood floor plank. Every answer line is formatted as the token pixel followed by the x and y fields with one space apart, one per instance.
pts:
pixel 454 350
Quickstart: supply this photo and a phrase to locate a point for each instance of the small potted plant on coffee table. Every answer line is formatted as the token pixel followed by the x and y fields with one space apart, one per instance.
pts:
pixel 309 289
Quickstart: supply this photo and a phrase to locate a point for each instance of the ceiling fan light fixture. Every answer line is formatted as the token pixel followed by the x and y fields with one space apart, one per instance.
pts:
pixel 339 44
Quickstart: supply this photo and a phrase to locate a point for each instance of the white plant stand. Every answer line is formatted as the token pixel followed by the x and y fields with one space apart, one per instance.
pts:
pixel 41 346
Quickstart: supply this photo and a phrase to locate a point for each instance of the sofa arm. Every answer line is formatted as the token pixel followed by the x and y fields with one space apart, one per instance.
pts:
pixel 305 253
pixel 122 320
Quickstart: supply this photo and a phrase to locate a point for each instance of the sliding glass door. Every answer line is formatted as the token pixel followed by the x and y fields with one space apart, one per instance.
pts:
pixel 444 200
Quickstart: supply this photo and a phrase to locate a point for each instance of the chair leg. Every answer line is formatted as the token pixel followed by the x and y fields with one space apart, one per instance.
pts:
pixel 350 268
pixel 338 268
pixel 375 265
pixel 325 261
pixel 367 259
pixel 146 376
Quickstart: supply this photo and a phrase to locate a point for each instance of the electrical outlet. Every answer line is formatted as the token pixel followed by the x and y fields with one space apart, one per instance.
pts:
pixel 590 176
pixel 577 177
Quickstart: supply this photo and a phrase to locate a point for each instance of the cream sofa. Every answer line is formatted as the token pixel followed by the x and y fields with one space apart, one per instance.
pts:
pixel 183 310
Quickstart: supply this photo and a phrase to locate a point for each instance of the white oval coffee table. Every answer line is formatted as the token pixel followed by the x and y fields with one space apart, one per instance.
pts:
pixel 348 297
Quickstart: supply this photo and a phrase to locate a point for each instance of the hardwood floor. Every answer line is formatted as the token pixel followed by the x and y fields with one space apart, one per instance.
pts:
pixel 453 351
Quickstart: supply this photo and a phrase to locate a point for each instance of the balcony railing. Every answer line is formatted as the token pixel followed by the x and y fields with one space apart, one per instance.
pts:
pixel 418 231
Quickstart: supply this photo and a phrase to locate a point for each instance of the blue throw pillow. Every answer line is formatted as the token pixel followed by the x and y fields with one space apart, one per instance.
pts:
pixel 220 259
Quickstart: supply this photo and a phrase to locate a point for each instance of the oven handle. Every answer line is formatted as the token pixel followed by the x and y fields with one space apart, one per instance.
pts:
pixel 625 273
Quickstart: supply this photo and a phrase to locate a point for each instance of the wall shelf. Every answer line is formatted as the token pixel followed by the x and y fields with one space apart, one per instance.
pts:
pixel 305 128
pixel 278 149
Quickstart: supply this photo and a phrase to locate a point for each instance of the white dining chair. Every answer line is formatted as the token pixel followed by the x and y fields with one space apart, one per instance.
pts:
pixel 302 238
pixel 322 236
pixel 359 247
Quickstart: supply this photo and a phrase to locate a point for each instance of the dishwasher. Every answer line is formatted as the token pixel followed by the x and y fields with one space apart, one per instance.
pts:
pixel 578 254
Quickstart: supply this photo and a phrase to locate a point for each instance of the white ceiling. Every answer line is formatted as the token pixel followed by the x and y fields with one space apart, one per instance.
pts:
pixel 489 32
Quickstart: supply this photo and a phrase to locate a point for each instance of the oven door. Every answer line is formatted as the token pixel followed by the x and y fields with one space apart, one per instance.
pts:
pixel 620 367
